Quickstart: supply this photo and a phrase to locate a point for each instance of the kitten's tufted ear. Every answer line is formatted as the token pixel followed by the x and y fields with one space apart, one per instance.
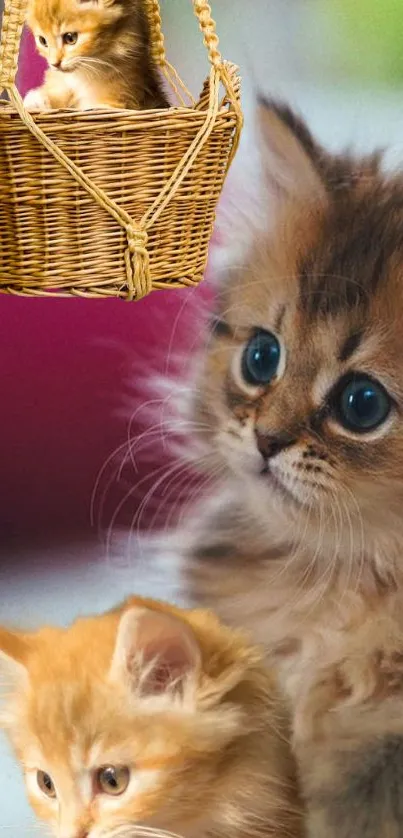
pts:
pixel 291 157
pixel 278 164
pixel 156 651
pixel 13 673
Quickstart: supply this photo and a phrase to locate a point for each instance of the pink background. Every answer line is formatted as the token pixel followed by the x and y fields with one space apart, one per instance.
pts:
pixel 64 372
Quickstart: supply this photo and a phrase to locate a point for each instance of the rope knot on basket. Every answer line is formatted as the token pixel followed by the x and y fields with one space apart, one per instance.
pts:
pixel 137 262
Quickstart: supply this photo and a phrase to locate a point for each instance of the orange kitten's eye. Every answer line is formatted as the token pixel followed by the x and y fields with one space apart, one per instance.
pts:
pixel 70 38
pixel 113 780
pixel 46 784
pixel 42 41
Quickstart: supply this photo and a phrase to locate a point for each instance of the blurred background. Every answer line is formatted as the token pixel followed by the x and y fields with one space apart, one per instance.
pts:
pixel 71 371
pixel 339 62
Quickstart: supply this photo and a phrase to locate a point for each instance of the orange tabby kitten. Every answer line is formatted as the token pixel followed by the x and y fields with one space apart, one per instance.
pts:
pixel 144 719
pixel 299 399
pixel 98 52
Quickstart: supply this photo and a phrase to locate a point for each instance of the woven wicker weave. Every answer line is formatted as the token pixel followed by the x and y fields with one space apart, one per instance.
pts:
pixel 109 203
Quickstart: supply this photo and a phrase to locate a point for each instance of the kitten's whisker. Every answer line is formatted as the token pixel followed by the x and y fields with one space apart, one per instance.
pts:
pixel 310 568
pixel 171 474
pixel 176 486
pixel 161 473
pixel 361 534
pixel 130 494
pixel 109 460
pixel 128 448
pixel 137 831
pixel 324 581
pixel 94 64
pixel 350 558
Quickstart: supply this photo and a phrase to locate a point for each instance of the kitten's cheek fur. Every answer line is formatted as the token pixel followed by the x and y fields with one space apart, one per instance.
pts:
pixel 236 443
pixel 355 794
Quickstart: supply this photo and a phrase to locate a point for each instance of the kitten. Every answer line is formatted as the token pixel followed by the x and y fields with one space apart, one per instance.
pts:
pixel 145 719
pixel 299 402
pixel 99 55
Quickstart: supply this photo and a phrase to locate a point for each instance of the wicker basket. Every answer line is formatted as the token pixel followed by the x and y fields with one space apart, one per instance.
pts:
pixel 109 203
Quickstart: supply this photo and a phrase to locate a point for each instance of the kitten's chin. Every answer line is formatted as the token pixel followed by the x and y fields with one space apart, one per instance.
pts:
pixel 269 490
pixel 269 502
pixel 280 490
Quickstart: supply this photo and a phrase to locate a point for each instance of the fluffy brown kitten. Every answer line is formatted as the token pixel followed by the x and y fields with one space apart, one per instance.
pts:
pixel 145 719
pixel 299 400
pixel 98 52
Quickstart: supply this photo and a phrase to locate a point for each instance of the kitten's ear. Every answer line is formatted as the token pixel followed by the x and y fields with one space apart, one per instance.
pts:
pixel 156 651
pixel 291 157
pixel 13 673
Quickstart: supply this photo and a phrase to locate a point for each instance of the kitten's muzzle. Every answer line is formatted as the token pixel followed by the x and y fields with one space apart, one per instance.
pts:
pixel 269 446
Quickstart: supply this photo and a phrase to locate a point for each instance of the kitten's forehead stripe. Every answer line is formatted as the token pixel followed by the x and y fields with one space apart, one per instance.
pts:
pixel 279 319
pixel 221 328
pixel 350 346
pixel 353 255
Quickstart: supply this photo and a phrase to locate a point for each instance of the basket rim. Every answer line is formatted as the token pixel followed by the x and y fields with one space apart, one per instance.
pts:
pixel 226 106
pixel 152 115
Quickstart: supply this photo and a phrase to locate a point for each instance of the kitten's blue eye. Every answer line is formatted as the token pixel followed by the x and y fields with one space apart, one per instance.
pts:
pixel 362 404
pixel 261 358
pixel 42 41
pixel 70 38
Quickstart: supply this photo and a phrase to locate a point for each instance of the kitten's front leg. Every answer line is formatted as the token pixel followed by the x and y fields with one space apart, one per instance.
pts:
pixel 37 100
pixel 54 93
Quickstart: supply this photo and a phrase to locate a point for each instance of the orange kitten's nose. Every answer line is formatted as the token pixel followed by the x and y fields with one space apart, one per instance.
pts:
pixel 57 65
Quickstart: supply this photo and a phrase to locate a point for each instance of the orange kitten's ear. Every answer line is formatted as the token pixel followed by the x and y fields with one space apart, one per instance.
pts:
pixel 157 652
pixel 291 157
pixel 13 674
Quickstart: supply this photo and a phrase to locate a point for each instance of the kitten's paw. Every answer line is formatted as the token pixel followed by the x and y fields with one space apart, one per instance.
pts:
pixel 36 100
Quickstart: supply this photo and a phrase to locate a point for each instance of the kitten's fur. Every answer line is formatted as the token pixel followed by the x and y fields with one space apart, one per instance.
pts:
pixel 110 63
pixel 305 546
pixel 181 701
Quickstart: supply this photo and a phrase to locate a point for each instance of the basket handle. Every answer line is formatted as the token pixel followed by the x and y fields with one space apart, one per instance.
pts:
pixel 11 31
pixel 202 10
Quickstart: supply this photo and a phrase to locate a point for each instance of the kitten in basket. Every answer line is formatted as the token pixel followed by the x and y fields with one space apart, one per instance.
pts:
pixel 146 719
pixel 98 53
